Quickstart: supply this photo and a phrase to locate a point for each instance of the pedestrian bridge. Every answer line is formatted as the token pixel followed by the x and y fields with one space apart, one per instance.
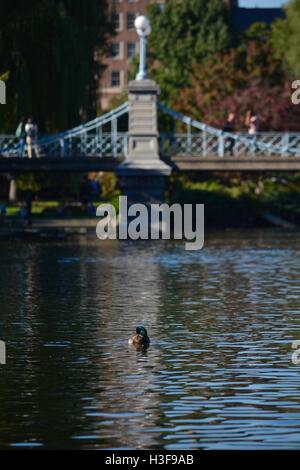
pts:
pixel 99 145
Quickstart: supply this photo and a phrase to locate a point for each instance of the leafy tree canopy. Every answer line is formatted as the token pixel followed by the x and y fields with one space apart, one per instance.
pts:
pixel 248 77
pixel 48 47
pixel 286 37
pixel 183 33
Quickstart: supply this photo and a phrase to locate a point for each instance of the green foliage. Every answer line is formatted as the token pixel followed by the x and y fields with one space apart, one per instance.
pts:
pixel 49 48
pixel 109 183
pixel 286 37
pixel 237 200
pixel 184 33
pixel 29 182
pixel 221 207
pixel 59 184
pixel 249 76
pixel 4 76
pixel 114 200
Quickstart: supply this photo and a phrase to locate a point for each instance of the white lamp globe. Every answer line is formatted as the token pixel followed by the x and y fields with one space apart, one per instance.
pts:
pixel 142 26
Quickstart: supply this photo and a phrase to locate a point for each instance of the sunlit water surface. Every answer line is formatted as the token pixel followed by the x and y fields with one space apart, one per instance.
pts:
pixel 218 374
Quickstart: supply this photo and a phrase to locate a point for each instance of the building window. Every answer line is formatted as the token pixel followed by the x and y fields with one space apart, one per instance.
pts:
pixel 115 78
pixel 115 52
pixel 131 49
pixel 130 20
pixel 116 19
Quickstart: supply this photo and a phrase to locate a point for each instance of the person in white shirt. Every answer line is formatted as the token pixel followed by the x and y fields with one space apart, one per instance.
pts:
pixel 252 123
pixel 31 130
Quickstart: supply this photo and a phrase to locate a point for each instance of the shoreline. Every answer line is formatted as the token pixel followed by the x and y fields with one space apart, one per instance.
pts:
pixel 49 229
pixel 66 229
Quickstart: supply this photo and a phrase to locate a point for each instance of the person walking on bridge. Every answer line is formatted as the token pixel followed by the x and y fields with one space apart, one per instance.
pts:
pixel 31 130
pixel 252 123
pixel 230 127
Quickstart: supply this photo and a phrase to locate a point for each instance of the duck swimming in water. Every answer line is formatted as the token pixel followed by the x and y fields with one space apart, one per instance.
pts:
pixel 141 337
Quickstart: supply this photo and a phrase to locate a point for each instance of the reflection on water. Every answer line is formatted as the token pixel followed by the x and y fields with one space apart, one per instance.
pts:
pixel 218 373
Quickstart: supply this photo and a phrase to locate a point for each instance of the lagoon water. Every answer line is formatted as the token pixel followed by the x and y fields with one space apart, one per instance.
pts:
pixel 219 371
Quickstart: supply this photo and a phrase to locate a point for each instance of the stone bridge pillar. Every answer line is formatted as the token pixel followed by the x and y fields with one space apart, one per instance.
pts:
pixel 143 174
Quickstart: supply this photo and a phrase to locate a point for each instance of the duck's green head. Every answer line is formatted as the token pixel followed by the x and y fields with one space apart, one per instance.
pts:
pixel 141 330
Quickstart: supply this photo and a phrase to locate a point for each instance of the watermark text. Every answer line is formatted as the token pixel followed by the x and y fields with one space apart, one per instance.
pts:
pixel 296 94
pixel 2 353
pixel 2 92
pixel 154 222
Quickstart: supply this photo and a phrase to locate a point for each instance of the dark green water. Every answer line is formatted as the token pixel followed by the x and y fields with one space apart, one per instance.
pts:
pixel 218 373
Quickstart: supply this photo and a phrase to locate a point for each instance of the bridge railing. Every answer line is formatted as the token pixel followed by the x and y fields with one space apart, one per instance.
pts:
pixel 9 144
pixel 93 139
pixel 88 145
pixel 202 139
pixel 200 144
pixel 84 145
pixel 205 143
pixel 99 137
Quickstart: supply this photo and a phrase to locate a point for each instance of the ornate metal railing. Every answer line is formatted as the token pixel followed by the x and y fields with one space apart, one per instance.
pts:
pixel 89 145
pixel 90 139
pixel 204 144
pixel 198 144
pixel 203 140
pixel 8 144
pixel 101 137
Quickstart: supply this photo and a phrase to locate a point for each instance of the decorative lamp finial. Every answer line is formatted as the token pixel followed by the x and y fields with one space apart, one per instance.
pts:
pixel 143 29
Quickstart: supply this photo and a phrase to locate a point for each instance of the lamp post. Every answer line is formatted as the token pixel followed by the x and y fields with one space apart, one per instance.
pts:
pixel 143 174
pixel 143 29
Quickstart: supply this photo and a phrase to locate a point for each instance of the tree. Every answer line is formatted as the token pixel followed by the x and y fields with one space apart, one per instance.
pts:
pixel 272 104
pixel 49 49
pixel 286 37
pixel 56 184
pixel 250 76
pixel 184 33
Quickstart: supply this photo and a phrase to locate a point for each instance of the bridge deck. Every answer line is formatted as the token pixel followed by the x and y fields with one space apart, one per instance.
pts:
pixel 44 164
pixel 178 162
pixel 242 163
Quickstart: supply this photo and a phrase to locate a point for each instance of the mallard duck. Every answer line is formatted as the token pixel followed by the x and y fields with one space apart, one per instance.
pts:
pixel 141 337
